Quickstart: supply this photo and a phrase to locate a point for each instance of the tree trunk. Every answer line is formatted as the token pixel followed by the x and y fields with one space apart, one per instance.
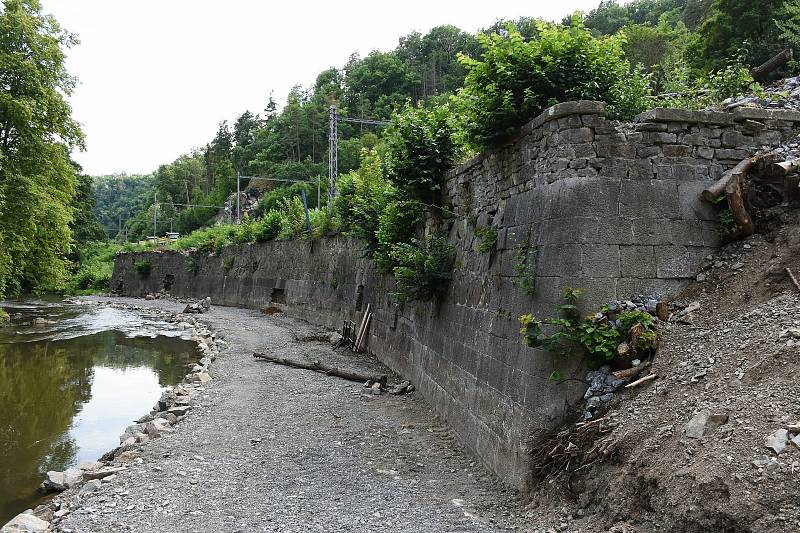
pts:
pixel 780 170
pixel 713 192
pixel 736 204
pixel 761 72
pixel 316 366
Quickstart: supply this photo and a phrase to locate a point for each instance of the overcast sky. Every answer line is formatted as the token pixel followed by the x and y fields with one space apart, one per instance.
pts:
pixel 157 76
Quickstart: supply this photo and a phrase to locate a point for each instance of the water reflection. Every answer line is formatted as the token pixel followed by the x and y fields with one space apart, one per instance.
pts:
pixel 66 398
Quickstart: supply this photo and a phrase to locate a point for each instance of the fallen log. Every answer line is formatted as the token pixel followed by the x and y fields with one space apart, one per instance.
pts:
pixel 733 192
pixel 632 372
pixel 713 192
pixel 782 169
pixel 316 366
pixel 761 72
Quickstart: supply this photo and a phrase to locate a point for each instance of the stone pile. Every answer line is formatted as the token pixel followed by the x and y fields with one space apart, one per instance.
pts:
pixel 783 94
pixel 603 383
pixel 199 307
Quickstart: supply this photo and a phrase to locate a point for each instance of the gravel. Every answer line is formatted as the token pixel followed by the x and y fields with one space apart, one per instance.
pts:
pixel 271 448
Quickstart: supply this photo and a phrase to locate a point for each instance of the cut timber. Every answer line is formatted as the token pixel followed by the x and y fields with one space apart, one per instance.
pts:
pixel 715 191
pixel 316 366
pixel 362 342
pixel 780 170
pixel 733 192
pixel 361 327
pixel 774 63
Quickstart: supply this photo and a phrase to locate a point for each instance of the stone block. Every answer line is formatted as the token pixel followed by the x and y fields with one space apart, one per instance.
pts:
pixel 559 259
pixel 676 150
pixel 600 260
pixel 649 199
pixel 732 154
pixel 732 139
pixel 675 262
pixel 692 207
pixel 637 261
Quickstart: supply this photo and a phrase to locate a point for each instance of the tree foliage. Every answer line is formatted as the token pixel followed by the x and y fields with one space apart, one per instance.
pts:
pixel 516 79
pixel 37 181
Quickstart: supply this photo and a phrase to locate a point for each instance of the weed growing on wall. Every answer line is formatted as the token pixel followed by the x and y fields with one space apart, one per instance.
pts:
pixel 601 336
pixel 142 267
pixel 424 268
pixel 525 268
pixel 487 238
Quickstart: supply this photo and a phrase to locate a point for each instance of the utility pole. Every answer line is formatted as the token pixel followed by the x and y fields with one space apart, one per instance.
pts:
pixel 155 215
pixel 238 194
pixel 333 146
pixel 333 155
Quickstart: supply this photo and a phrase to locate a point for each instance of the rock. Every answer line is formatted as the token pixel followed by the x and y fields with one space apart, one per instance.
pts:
pixel 701 277
pixel 206 303
pixel 777 441
pixel 45 512
pixel 717 419
pixel 26 523
pixel 61 481
pixel 696 427
pixel 796 440
pixel 179 410
pixel 605 398
pixel 203 377
pixel 129 441
pixel 61 513
pixel 90 486
pixel 146 418
pixel 169 417
pixel 335 338
pixel 89 465
pixel 375 388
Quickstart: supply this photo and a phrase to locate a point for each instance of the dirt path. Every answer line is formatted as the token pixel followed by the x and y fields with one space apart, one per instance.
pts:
pixel 277 449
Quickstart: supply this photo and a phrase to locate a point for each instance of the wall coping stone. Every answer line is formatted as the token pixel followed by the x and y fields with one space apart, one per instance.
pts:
pixel 721 118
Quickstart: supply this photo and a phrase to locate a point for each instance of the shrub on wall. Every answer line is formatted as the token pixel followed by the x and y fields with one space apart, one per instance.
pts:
pixel 516 79
pixel 419 150
pixel 424 268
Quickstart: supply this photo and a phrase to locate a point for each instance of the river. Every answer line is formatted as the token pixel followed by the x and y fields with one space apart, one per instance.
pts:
pixel 73 376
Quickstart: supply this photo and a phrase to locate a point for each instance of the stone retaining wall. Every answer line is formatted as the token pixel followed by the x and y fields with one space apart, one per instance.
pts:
pixel 611 208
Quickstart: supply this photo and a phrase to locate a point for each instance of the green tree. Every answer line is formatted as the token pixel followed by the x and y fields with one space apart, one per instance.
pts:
pixel 37 181
pixel 84 225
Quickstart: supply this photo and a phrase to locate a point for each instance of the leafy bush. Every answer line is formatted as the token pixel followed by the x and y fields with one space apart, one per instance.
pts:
pixel 424 268
pixel 515 79
pixel 363 196
pixel 268 227
pixel 420 150
pixel 142 267
pixel 598 336
pixel 395 225
pixel 293 218
pixel 487 238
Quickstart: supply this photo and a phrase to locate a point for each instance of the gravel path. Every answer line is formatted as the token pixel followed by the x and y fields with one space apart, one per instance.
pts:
pixel 270 448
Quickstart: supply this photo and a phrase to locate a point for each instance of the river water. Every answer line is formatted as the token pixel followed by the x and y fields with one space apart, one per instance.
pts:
pixel 72 378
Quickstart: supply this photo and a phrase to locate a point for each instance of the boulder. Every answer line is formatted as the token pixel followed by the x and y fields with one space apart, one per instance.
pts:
pixel 696 427
pixel 90 486
pixel 60 481
pixel 777 441
pixel 27 523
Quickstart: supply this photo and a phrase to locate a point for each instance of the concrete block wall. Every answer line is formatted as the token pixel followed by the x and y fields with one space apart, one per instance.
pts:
pixel 608 207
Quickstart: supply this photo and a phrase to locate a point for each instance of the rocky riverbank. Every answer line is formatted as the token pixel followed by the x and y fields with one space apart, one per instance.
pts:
pixel 173 406
pixel 266 447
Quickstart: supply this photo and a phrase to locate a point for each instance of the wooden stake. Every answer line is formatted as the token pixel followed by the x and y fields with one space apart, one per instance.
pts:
pixel 641 380
pixel 361 328
pixel 361 343
pixel 794 279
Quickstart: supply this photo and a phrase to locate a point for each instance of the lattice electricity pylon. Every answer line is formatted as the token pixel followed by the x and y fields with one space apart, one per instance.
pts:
pixel 333 153
pixel 333 146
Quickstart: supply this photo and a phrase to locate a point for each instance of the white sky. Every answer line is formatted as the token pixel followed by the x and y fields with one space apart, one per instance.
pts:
pixel 157 76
